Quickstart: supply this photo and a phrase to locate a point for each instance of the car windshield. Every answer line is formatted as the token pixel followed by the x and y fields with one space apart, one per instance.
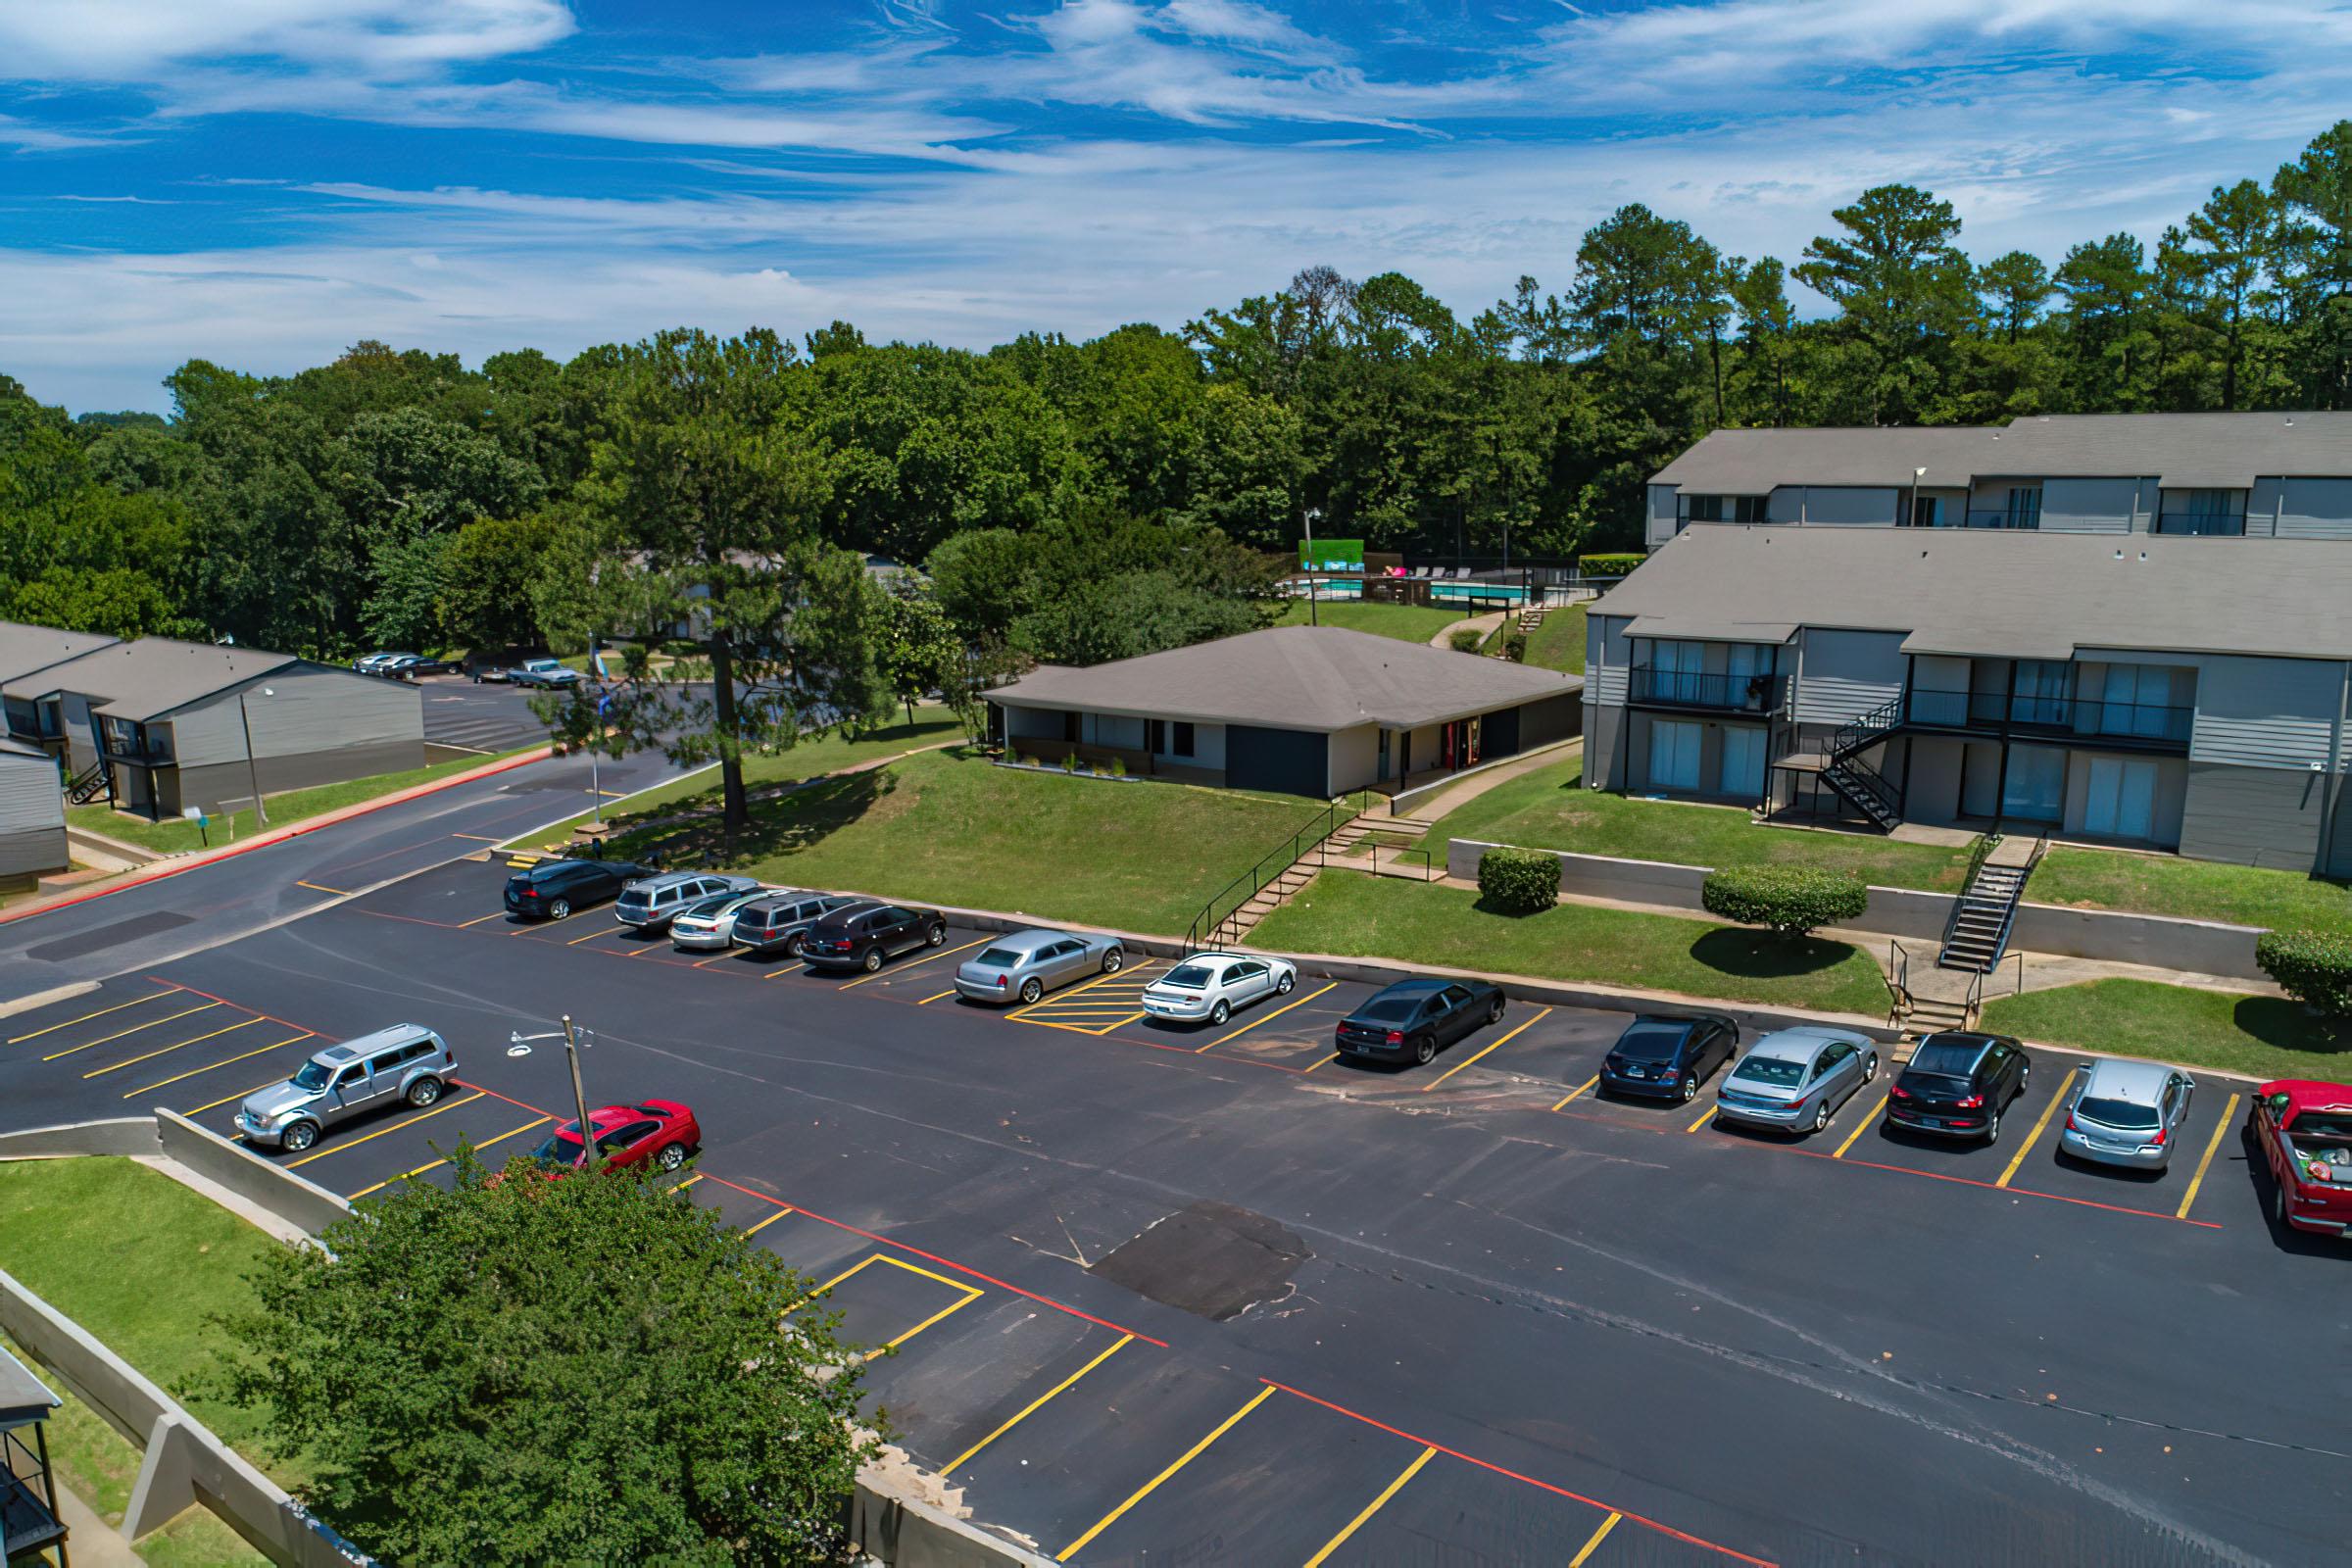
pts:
pixel 2108 1112
pixel 1000 959
pixel 312 1075
pixel 563 1148
pixel 1771 1070
pixel 1190 977
pixel 1650 1042
pixel 714 906
pixel 1951 1057
pixel 1388 1010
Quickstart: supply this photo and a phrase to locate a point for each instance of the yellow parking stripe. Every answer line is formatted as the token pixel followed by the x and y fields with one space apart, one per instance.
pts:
pixel 1152 1484
pixel 1269 1017
pixel 600 931
pixel 688 1182
pixel 1861 1126
pixel 1499 1045
pixel 1063 998
pixel 935 996
pixel 401 1125
pixel 1704 1120
pixel 239 1095
pixel 316 888
pixel 2048 1111
pixel 165 990
pixel 224 1061
pixel 2215 1142
pixel 242 1024
pixel 1326 1061
pixel 903 966
pixel 167 1018
pixel 755 1230
pixel 1593 1544
pixel 495 914
pixel 436 1164
pixel 1578 1090
pixel 1371 1508
pixel 1032 1407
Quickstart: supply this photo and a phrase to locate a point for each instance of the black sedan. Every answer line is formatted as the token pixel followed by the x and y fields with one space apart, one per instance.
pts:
pixel 860 936
pixel 1957 1084
pixel 552 889
pixel 1415 1019
pixel 1669 1053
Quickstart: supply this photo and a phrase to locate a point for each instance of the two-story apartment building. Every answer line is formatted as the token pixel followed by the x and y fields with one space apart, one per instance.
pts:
pixel 2246 475
pixel 2180 693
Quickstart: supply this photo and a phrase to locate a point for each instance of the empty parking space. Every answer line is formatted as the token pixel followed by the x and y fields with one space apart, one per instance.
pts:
pixel 1293 1030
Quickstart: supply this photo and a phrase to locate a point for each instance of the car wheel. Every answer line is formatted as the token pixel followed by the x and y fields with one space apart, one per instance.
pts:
pixel 1820 1113
pixel 872 959
pixel 672 1156
pixel 1113 962
pixel 1992 1129
pixel 938 936
pixel 298 1137
pixel 1689 1087
pixel 2278 1204
pixel 1870 1067
pixel 792 947
pixel 424 1092
pixel 1425 1052
pixel 1032 989
pixel 559 909
pixel 1282 987
pixel 1494 1012
pixel 1220 1011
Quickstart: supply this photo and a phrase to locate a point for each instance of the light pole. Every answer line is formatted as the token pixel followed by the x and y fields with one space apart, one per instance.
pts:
pixel 1312 514
pixel 252 777
pixel 575 1040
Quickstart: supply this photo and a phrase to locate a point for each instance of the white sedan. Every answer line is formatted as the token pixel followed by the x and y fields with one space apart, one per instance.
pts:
pixel 711 922
pixel 1208 987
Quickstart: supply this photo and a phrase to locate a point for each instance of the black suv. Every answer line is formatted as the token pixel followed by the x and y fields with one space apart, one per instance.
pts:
pixel 1669 1053
pixel 1417 1018
pixel 859 936
pixel 552 889
pixel 1957 1085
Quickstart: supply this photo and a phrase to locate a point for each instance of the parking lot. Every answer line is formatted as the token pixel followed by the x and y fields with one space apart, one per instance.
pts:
pixel 488 718
pixel 1168 1294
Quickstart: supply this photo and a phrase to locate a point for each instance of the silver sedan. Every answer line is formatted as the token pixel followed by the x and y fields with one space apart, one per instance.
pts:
pixel 710 924
pixel 2127 1113
pixel 1024 965
pixel 1795 1079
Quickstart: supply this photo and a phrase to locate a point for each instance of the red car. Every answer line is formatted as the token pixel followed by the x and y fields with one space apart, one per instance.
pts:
pixel 657 1132
pixel 2304 1130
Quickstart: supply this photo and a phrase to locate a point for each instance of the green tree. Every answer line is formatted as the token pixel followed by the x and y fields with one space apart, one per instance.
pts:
pixel 919 651
pixel 2315 265
pixel 513 1370
pixel 491 574
pixel 2111 343
pixel 1903 288
pixel 2234 236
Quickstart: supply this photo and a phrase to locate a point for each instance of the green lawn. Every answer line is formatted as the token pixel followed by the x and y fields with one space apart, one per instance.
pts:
pixel 1560 643
pixel 141 1262
pixel 1412 624
pixel 2262 1037
pixel 175 834
pixel 948 827
pixel 807 760
pixel 2196 890
pixel 1549 808
pixel 1425 922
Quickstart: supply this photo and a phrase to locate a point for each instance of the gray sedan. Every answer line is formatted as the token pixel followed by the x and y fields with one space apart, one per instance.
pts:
pixel 1795 1079
pixel 2127 1113
pixel 1024 966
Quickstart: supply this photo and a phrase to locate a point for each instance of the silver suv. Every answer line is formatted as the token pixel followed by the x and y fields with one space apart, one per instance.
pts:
pixel 651 903
pixel 406 1063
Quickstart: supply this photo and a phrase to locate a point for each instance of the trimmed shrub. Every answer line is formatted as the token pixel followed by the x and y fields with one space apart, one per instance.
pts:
pixel 1609 566
pixel 1791 900
pixel 1118 767
pixel 2314 967
pixel 1466 640
pixel 1514 647
pixel 1518 881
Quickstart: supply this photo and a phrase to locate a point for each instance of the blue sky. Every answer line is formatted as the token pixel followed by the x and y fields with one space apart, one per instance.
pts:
pixel 264 182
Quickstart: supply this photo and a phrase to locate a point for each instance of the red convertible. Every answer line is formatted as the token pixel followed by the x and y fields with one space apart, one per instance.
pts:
pixel 2304 1130
pixel 661 1131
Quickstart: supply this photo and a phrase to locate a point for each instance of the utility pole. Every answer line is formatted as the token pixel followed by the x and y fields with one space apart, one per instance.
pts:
pixel 1311 516
pixel 579 1095
pixel 253 775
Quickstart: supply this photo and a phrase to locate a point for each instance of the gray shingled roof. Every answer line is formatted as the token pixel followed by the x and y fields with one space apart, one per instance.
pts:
pixel 2023 594
pixel 2215 451
pixel 154 675
pixel 1294 677
pixel 25 648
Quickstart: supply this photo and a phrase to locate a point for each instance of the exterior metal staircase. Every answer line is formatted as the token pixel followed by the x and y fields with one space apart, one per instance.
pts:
pixel 1978 933
pixel 1861 785
pixel 93 781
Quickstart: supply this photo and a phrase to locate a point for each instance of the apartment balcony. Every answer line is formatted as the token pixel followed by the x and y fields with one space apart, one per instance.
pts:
pixel 2219 524
pixel 1713 693
pixel 2081 720
pixel 2002 519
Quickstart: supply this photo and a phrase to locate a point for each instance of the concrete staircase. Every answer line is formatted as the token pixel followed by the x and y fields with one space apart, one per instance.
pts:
pixel 1350 846
pixel 1978 932
pixel 1532 617
pixel 1237 926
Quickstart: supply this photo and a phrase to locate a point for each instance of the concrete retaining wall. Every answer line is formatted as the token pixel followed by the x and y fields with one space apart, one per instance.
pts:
pixel 304 1205
pixel 2197 947
pixel 133 1136
pixel 909 1533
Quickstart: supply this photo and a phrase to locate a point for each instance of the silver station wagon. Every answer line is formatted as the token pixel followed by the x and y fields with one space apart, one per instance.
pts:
pixel 406 1065
pixel 1024 965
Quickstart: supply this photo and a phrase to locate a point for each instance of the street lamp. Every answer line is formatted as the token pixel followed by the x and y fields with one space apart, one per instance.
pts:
pixel 575 1040
pixel 252 777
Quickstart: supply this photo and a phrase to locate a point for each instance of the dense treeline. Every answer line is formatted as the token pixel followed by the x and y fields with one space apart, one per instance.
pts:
pixel 1084 500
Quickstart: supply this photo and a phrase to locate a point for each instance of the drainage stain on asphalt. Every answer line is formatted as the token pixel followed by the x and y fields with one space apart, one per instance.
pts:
pixel 1211 1259
pixel 108 936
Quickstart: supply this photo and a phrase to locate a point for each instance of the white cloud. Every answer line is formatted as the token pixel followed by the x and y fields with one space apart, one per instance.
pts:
pixel 117 39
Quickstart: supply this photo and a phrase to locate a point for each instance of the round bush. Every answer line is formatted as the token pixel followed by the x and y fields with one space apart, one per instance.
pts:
pixel 1789 899
pixel 2314 967
pixel 1466 640
pixel 1518 881
pixel 1514 647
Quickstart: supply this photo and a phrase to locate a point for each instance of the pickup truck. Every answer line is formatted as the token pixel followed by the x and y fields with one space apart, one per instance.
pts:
pixel 552 674
pixel 2303 1129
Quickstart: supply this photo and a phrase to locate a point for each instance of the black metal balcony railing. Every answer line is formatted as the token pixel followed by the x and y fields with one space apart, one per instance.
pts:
pixel 1722 693
pixel 2076 715
pixel 2230 524
pixel 2002 518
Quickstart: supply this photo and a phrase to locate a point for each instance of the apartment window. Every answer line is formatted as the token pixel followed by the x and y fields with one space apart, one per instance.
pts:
pixel 1679 670
pixel 2205 512
pixel 1674 756
pixel 2023 508
pixel 2138 699
pixel 1727 509
pixel 2041 691
pixel 1181 745
pixel 1155 735
pixel 1928 511
pixel 1740 771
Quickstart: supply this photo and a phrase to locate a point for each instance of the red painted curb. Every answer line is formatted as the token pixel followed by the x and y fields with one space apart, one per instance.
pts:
pixel 310 825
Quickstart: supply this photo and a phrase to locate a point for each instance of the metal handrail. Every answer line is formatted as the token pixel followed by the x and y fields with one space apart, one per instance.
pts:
pixel 1898 981
pixel 2061 714
pixel 1865 730
pixel 1322 825
pixel 1427 866
pixel 1755 693
pixel 1866 779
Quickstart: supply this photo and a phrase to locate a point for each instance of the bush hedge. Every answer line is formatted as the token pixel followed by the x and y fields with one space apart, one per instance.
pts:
pixel 1465 639
pixel 2314 967
pixel 1514 647
pixel 1609 566
pixel 1789 899
pixel 1518 881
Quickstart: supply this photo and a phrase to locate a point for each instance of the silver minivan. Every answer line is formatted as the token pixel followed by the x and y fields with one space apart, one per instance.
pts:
pixel 651 903
pixel 406 1065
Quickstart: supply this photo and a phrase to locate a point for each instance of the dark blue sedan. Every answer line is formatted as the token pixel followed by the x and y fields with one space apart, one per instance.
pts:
pixel 1669 1054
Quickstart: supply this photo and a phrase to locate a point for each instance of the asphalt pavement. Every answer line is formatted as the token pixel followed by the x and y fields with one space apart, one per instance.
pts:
pixel 1166 1294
